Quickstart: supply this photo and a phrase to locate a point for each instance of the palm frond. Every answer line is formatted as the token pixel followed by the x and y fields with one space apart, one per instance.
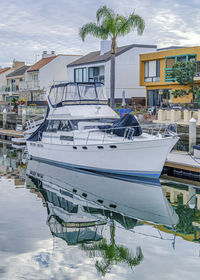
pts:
pixel 104 13
pixel 93 29
pixel 132 21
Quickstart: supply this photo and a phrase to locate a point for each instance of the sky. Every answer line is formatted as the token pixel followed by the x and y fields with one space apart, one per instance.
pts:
pixel 27 27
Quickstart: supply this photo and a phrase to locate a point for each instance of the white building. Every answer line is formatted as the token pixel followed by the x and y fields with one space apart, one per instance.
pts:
pixel 3 81
pixel 42 75
pixel 6 88
pixel 95 66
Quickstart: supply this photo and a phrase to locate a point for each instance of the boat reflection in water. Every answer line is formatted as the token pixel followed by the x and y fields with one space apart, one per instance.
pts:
pixel 81 204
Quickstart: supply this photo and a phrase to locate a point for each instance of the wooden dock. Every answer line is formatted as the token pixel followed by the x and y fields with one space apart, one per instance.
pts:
pixel 182 160
pixel 9 133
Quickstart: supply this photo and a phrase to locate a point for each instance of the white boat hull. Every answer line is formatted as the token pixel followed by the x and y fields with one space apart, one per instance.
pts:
pixel 136 158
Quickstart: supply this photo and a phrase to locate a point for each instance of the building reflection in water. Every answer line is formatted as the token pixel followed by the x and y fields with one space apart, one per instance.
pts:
pixel 80 206
pixel 12 162
pixel 185 199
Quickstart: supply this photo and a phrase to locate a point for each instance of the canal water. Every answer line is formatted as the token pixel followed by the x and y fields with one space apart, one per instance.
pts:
pixel 63 224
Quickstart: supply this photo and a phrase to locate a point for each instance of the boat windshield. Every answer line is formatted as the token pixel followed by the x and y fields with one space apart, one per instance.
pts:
pixel 77 93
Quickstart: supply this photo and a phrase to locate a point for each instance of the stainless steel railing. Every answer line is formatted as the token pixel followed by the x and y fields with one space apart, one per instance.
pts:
pixel 108 134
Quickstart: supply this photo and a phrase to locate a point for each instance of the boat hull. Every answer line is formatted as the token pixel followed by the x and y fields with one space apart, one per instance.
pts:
pixel 133 159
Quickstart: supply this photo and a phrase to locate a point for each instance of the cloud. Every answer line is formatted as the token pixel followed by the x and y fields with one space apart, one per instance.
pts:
pixel 29 27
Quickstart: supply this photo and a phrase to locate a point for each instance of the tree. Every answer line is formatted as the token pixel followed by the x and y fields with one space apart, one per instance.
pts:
pixel 183 73
pixel 112 253
pixel 112 25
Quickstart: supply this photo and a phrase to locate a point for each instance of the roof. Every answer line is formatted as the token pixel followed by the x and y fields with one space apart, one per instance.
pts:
pixel 19 72
pixel 94 57
pixel 42 62
pixel 171 48
pixel 4 70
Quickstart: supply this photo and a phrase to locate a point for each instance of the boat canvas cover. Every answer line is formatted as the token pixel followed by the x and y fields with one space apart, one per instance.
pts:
pixel 122 124
pixel 36 136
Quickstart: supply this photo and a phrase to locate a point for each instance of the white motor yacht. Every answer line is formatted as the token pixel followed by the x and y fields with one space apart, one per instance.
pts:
pixel 81 131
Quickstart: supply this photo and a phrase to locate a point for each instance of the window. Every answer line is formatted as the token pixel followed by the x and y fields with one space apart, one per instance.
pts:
pixel 87 92
pixel 170 62
pixel 34 77
pixel 152 71
pixel 53 126
pixel 101 95
pixel 93 73
pixel 65 126
pixel 71 93
pixel 192 58
pixel 181 59
pixel 152 98
pixel 198 67
pixel 80 75
pixel 96 74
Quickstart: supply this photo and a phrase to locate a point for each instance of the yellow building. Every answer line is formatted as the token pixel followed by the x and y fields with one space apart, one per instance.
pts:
pixel 155 74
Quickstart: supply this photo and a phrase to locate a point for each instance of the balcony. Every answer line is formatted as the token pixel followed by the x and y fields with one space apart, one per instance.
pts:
pixel 96 79
pixel 168 75
pixel 169 78
pixel 9 89
pixel 29 85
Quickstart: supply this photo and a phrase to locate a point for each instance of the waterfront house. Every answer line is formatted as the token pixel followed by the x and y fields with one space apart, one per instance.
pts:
pixel 3 83
pixel 5 89
pixel 14 79
pixel 155 74
pixel 43 74
pixel 95 66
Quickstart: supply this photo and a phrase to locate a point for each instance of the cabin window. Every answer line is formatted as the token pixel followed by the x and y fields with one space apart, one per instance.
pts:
pixel 65 126
pixel 66 138
pixel 71 93
pixel 59 94
pixel 100 147
pixel 87 92
pixel 53 126
pixel 101 95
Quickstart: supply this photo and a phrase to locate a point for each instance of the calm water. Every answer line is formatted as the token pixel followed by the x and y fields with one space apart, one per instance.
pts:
pixel 62 224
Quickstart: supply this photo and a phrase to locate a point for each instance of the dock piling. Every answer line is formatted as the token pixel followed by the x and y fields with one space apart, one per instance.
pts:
pixel 23 117
pixel 192 134
pixel 4 117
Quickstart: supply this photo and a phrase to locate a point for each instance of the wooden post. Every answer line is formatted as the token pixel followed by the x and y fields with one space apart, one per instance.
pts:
pixel 23 117
pixel 4 117
pixel 192 197
pixel 192 134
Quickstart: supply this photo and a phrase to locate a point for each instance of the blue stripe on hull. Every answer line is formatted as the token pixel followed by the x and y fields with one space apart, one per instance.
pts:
pixel 115 173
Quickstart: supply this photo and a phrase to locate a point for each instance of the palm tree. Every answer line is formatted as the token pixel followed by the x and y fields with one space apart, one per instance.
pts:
pixel 112 25
pixel 112 253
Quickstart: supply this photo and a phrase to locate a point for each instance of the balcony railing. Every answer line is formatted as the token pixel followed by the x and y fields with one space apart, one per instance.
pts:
pixel 29 85
pixel 169 78
pixel 9 89
pixel 96 79
pixel 168 75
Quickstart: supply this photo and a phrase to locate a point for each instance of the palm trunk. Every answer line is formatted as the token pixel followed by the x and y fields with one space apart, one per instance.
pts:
pixel 112 73
pixel 112 81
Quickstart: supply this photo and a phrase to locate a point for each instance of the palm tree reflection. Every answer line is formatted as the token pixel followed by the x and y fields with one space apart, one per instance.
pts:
pixel 112 253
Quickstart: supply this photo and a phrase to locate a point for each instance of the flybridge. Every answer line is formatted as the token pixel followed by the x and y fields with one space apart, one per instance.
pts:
pixel 77 93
